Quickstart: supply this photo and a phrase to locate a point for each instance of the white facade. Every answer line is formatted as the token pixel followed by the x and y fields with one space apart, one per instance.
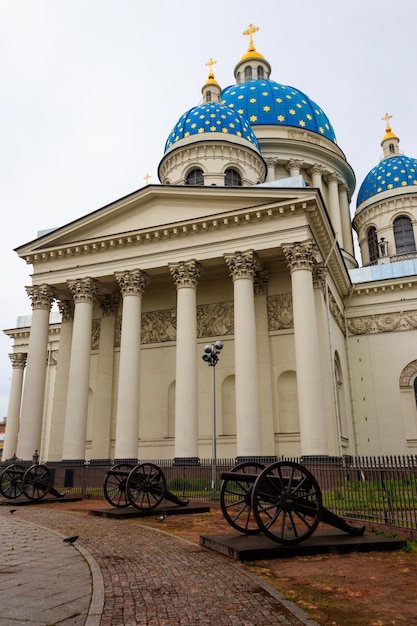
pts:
pixel 319 355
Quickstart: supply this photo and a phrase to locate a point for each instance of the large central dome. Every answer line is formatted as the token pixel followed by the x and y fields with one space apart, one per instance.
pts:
pixel 264 102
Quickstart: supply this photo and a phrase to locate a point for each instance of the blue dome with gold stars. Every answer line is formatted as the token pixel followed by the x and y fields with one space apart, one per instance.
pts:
pixel 391 173
pixel 210 118
pixel 268 102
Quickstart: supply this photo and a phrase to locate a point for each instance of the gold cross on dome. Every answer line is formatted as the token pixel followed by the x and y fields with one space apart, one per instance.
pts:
pixel 210 64
pixel 252 29
pixel 386 118
pixel 146 178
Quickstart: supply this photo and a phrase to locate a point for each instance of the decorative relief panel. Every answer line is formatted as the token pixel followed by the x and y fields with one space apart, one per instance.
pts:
pixel 95 334
pixel 280 313
pixel 159 326
pixel 215 319
pixel 383 323
pixel 336 312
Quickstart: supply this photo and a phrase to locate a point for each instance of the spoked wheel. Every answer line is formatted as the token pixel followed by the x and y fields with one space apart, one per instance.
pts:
pixel 146 486
pixel 286 496
pixel 11 481
pixel 36 482
pixel 236 498
pixel 115 485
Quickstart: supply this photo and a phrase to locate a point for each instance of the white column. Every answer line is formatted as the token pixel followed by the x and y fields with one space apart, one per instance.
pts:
pixel 56 437
pixel 270 174
pixel 13 411
pixel 345 217
pixel 103 406
pixel 334 207
pixel 186 275
pixel 316 172
pixel 84 292
pixel 132 284
pixel 31 418
pixel 242 267
pixel 294 167
pixel 300 259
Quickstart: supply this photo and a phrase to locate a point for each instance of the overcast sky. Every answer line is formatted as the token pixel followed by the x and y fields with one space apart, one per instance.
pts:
pixel 90 90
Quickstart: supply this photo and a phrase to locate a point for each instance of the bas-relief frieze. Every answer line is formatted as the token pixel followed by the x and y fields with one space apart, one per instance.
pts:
pixel 383 323
pixel 161 326
pixel 280 313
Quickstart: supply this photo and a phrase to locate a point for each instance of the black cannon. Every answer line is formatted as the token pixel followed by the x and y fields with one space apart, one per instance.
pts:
pixel 35 482
pixel 283 501
pixel 142 486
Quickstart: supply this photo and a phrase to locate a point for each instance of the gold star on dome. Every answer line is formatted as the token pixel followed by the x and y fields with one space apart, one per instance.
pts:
pixel 281 118
pixel 267 108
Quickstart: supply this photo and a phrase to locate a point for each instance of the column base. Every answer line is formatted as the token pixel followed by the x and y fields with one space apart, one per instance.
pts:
pixel 321 459
pixel 265 460
pixel 72 462
pixel 131 462
pixel 186 461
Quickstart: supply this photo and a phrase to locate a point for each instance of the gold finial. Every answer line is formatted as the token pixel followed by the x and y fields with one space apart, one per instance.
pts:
pixel 210 64
pixel 252 29
pixel 146 178
pixel 386 118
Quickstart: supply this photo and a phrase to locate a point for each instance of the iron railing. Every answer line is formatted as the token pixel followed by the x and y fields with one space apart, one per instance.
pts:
pixel 381 490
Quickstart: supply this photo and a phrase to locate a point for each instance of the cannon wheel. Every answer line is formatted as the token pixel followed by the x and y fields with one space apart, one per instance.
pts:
pixel 146 486
pixel 236 499
pixel 36 482
pixel 11 481
pixel 115 485
pixel 287 496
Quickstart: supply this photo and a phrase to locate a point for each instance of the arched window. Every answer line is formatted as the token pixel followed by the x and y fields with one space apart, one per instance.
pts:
pixel 260 72
pixel 238 78
pixel 404 235
pixel 372 245
pixel 392 148
pixel 232 178
pixel 195 177
pixel 248 73
pixel 208 96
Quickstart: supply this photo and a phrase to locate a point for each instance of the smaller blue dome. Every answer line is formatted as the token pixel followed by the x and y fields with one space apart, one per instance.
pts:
pixel 268 102
pixel 391 173
pixel 208 118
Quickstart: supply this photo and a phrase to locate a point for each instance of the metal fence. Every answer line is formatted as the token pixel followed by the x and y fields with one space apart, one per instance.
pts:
pixel 381 490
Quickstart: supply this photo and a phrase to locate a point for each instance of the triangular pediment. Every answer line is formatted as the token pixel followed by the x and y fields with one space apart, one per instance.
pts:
pixel 155 207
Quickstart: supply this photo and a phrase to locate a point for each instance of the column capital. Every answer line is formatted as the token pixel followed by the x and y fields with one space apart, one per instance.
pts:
pixel 294 164
pixel 331 177
pixel 261 282
pixel 83 289
pixel 300 255
pixel 319 276
pixel 66 308
pixel 132 282
pixel 271 161
pixel 41 296
pixel 18 360
pixel 241 264
pixel 185 273
pixel 109 305
pixel 317 169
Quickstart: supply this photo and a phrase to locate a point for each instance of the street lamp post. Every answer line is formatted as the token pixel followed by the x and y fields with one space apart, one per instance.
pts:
pixel 211 357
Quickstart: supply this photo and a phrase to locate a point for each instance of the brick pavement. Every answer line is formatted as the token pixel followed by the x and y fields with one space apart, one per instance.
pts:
pixel 149 577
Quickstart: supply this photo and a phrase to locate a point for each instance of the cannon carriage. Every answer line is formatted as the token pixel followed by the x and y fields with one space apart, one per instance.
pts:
pixel 283 501
pixel 143 486
pixel 34 481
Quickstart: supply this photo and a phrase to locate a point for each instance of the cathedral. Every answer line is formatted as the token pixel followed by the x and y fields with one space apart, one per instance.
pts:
pixel 244 252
